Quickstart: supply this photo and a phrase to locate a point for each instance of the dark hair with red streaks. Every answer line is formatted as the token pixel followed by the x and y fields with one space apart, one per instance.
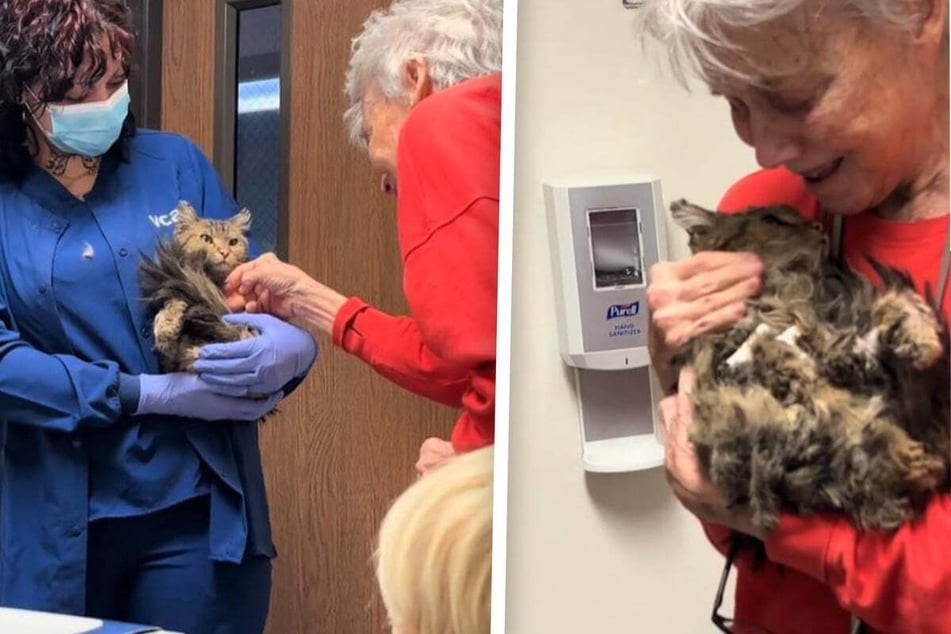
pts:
pixel 43 44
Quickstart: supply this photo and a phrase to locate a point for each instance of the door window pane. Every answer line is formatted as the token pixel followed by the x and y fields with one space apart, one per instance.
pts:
pixel 258 120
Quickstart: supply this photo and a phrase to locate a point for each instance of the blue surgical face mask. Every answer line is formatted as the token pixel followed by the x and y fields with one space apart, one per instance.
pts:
pixel 88 129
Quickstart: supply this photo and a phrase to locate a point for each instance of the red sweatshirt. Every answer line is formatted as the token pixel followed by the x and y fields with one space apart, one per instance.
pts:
pixel 898 582
pixel 448 225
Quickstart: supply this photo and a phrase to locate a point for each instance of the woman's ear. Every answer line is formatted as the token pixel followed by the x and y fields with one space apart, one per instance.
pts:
pixel 416 79
pixel 932 22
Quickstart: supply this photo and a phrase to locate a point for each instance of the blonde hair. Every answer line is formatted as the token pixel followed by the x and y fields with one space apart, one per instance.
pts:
pixel 434 559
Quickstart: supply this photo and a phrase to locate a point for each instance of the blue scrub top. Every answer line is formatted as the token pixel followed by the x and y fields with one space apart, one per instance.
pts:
pixel 72 319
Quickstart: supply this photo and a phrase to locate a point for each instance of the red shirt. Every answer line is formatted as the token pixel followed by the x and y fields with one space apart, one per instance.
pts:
pixel 448 226
pixel 898 582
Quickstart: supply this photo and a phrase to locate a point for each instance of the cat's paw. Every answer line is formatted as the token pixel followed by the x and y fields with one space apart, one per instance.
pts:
pixel 785 370
pixel 189 357
pixel 909 328
pixel 168 323
pixel 924 472
pixel 902 481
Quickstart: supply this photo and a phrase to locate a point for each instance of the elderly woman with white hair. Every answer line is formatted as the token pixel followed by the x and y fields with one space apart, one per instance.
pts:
pixel 424 88
pixel 846 106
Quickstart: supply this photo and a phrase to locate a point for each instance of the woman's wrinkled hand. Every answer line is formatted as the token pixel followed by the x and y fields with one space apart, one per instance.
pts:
pixel 268 285
pixel 685 476
pixel 265 285
pixel 703 293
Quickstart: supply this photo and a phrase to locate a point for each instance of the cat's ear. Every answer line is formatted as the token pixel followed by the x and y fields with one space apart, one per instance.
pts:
pixel 185 215
pixel 691 218
pixel 241 220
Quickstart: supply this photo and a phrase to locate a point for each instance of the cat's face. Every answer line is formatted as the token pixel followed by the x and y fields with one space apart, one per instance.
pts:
pixel 779 235
pixel 219 245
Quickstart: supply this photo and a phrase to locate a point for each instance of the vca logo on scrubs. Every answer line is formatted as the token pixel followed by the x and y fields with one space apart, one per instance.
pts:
pixel 623 310
pixel 165 220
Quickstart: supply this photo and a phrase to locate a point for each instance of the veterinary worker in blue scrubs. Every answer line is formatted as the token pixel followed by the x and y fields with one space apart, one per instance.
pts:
pixel 125 493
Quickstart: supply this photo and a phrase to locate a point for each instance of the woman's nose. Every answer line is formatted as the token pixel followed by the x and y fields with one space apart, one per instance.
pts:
pixel 387 186
pixel 775 143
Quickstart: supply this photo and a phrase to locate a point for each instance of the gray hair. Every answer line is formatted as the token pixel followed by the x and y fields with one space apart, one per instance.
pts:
pixel 695 31
pixel 459 39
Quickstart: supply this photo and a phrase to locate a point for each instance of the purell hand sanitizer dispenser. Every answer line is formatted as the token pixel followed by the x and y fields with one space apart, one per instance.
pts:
pixel 605 232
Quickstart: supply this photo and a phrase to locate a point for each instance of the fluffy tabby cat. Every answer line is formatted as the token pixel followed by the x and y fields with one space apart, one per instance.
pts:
pixel 829 395
pixel 182 284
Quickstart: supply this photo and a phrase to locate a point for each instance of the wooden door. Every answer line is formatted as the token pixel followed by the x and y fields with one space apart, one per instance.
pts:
pixel 345 443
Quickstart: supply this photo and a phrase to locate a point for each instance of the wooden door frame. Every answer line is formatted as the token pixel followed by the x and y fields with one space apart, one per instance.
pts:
pixel 146 83
pixel 226 71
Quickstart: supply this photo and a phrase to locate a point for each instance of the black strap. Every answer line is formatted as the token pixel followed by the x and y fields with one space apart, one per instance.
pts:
pixel 858 627
pixel 838 226
pixel 943 276
pixel 834 229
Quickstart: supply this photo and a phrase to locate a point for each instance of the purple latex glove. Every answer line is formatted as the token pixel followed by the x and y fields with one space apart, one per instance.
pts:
pixel 280 354
pixel 183 394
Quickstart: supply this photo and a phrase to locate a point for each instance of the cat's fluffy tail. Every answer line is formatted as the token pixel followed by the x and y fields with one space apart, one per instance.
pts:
pixel 165 277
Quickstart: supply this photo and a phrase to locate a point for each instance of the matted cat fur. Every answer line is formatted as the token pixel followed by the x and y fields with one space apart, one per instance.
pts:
pixel 829 395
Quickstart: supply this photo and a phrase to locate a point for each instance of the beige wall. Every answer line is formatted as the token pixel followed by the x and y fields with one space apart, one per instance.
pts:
pixel 596 553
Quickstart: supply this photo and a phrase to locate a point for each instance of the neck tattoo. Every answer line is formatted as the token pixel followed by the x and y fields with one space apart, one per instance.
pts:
pixel 91 164
pixel 58 163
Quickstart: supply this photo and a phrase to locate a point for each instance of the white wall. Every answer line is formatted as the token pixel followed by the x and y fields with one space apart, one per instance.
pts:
pixel 596 553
